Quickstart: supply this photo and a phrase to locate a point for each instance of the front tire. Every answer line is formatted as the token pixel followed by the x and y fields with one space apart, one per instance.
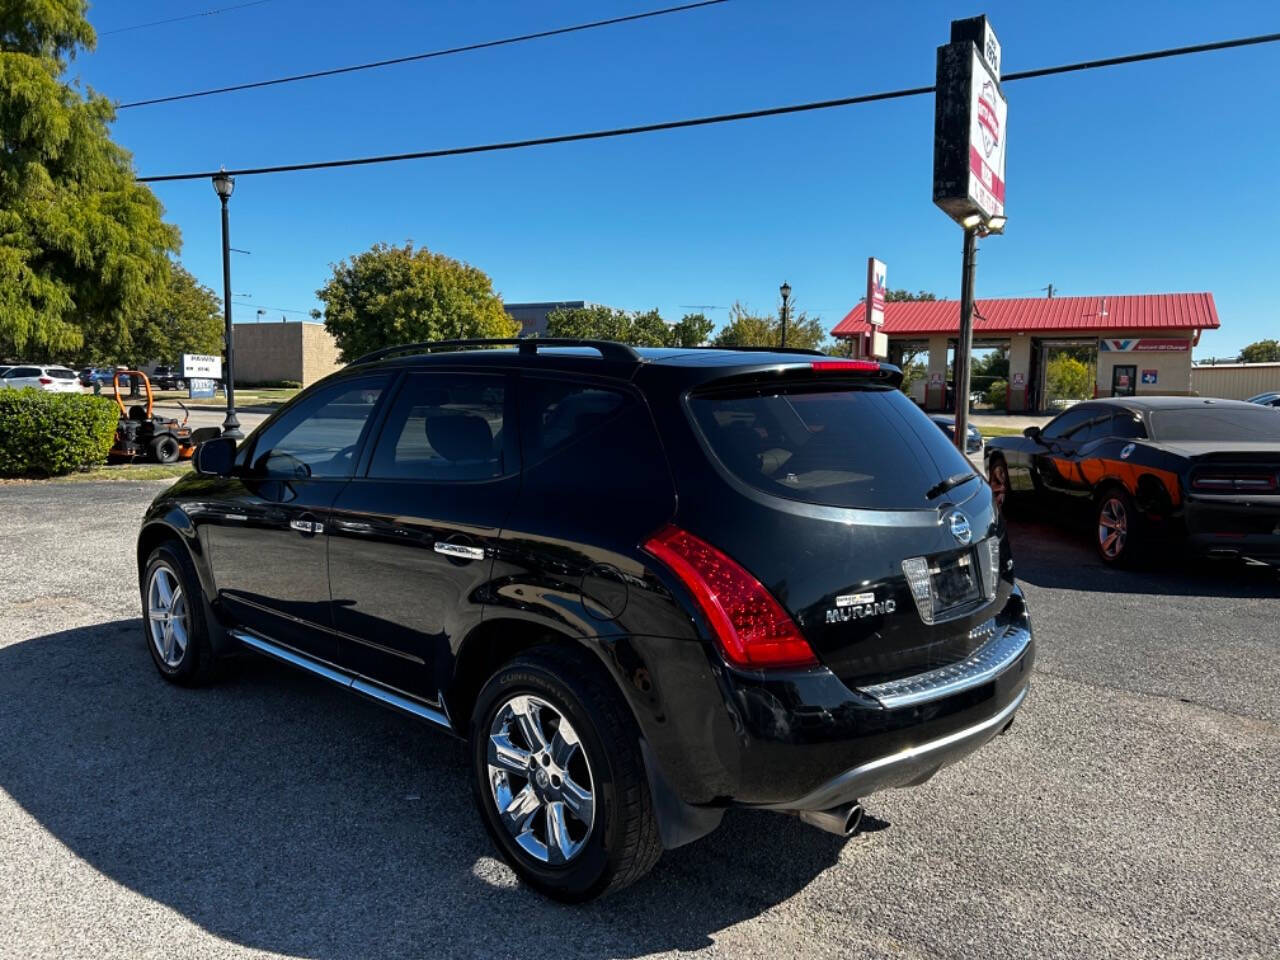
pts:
pixel 173 612
pixel 559 779
pixel 165 449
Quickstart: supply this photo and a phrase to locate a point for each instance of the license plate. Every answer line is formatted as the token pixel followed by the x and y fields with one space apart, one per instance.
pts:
pixel 955 581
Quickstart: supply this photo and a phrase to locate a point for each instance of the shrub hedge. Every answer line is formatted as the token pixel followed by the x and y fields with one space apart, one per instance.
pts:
pixel 46 434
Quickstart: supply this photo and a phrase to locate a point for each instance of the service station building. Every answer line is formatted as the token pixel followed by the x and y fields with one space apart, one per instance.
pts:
pixel 1143 343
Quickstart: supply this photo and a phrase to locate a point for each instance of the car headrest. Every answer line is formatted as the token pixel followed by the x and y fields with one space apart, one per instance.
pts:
pixel 460 436
pixel 137 413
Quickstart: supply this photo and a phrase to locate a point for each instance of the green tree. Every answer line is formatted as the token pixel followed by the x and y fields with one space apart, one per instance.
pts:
pixel 649 330
pixel 590 323
pixel 186 318
pixel 893 296
pixel 1068 379
pixel 692 330
pixel 747 329
pixel 389 295
pixel 1264 351
pixel 83 247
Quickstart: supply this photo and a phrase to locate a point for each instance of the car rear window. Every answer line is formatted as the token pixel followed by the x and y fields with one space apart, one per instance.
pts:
pixel 1232 424
pixel 835 445
pixel 60 374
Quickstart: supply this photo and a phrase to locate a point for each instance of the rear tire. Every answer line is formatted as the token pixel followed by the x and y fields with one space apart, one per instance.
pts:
pixel 1117 527
pixel 173 618
pixel 165 449
pixel 536 711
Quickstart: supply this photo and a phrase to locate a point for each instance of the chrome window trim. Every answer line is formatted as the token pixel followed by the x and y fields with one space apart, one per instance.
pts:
pixel 981 666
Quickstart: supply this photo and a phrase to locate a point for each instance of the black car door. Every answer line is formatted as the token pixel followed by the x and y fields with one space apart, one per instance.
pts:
pixel 1053 464
pixel 412 538
pixel 266 528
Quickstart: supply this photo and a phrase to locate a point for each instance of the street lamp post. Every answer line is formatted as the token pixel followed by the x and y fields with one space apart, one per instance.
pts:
pixel 223 184
pixel 785 290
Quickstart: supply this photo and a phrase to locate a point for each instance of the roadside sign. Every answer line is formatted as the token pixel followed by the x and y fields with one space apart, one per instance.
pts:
pixel 876 290
pixel 1019 379
pixel 201 366
pixel 935 379
pixel 1149 376
pixel 198 387
pixel 969 132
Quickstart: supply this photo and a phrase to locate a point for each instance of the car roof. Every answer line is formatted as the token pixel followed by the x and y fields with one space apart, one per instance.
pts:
pixel 1150 404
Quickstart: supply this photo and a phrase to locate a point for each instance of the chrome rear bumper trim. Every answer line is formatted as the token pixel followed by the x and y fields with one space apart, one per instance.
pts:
pixel 982 666
pixel 280 652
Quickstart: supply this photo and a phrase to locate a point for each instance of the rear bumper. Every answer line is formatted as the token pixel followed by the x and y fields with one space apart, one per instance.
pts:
pixel 1234 526
pixel 809 742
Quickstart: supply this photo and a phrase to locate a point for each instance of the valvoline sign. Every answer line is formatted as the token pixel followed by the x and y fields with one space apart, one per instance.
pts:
pixel 1170 345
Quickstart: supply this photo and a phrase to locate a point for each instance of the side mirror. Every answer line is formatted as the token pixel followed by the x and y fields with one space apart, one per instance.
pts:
pixel 1032 433
pixel 215 457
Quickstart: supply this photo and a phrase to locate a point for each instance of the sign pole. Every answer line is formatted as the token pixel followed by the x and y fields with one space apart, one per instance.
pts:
pixel 964 349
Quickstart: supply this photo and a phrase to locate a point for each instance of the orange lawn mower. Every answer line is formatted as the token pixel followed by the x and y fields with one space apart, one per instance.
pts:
pixel 142 435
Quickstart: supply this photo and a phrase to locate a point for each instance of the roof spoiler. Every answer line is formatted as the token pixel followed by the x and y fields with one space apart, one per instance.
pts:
pixel 528 346
pixel 825 369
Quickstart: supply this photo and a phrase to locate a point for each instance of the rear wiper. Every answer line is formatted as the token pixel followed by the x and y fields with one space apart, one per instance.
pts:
pixel 953 481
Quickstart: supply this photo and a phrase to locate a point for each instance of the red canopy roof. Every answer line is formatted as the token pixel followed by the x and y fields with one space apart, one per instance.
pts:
pixel 1156 311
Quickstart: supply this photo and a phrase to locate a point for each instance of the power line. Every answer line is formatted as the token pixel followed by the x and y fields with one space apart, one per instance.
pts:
pixel 263 306
pixel 375 64
pixel 189 16
pixel 709 120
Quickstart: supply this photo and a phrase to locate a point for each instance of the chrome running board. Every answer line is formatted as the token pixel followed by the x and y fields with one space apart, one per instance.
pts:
pixel 357 684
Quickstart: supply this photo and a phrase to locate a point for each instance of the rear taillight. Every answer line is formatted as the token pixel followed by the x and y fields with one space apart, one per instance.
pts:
pixel 1229 482
pixel 749 624
pixel 46 380
pixel 860 366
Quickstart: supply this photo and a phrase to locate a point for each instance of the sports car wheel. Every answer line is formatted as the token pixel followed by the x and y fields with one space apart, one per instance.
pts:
pixel 998 477
pixel 1116 527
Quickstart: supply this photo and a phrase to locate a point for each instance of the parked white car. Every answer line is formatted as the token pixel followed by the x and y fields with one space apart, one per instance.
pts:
pixel 54 379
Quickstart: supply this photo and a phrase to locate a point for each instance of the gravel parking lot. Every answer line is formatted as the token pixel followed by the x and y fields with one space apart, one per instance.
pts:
pixel 1130 812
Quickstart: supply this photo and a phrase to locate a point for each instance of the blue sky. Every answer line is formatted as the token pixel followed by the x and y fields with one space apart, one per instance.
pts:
pixel 1146 178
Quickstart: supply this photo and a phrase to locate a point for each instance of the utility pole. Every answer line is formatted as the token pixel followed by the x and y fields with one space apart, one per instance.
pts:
pixel 785 290
pixel 222 186
pixel 964 349
pixel 1049 288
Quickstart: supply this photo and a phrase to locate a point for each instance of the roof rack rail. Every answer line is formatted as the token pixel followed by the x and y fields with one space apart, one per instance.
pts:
pixel 609 349
pixel 806 351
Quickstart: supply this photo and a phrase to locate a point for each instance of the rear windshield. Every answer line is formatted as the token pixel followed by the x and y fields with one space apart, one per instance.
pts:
pixel 1232 424
pixel 60 374
pixel 839 446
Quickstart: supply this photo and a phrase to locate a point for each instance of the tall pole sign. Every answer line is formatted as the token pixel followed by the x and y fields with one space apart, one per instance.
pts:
pixel 877 287
pixel 969 134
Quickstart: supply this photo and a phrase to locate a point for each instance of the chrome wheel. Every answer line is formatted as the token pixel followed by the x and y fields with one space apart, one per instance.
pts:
pixel 540 780
pixel 167 617
pixel 1113 527
pixel 998 477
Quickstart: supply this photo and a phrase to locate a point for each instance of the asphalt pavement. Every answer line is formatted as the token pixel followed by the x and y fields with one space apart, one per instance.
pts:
pixel 1130 812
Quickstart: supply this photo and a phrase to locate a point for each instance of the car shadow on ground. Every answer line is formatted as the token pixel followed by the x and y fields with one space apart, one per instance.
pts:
pixel 1058 552
pixel 283 814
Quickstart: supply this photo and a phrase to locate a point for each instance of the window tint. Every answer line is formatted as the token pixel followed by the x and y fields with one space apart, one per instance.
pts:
pixel 320 436
pixel 1068 423
pixel 1128 426
pixel 60 373
pixel 843 447
pixel 443 426
pixel 1230 424
pixel 23 372
pixel 555 413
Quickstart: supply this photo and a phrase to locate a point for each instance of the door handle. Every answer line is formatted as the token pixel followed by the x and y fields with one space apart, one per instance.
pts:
pixel 458 550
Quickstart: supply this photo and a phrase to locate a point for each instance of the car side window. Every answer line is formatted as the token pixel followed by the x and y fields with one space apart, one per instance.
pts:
pixel 17 372
pixel 555 413
pixel 1066 425
pixel 443 427
pixel 321 436
pixel 1128 426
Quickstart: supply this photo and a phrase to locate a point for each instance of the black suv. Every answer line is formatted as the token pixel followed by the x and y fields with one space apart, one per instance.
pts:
pixel 644 584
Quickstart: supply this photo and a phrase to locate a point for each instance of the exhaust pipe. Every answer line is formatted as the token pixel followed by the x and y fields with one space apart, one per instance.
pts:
pixel 842 820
